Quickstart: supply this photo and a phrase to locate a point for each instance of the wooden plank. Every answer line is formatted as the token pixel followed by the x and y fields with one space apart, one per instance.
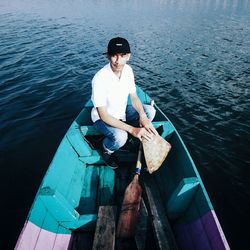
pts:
pixel 73 193
pixel 75 138
pixel 105 229
pixel 61 210
pixel 106 186
pixel 161 227
pixel 57 205
pixel 141 234
pixel 88 202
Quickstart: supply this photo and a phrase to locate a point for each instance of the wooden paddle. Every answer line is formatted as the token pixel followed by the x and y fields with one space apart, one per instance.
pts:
pixel 155 152
pixel 131 204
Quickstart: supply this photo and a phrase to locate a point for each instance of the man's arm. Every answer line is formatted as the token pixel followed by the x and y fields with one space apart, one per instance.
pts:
pixel 144 121
pixel 110 120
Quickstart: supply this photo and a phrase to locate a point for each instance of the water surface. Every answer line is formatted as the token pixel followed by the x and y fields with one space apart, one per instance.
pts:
pixel 192 57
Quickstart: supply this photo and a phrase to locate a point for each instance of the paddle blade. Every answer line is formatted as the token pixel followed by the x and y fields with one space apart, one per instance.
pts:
pixel 129 210
pixel 155 152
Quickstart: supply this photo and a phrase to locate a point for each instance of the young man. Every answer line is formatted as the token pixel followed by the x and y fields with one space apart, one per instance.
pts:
pixel 111 114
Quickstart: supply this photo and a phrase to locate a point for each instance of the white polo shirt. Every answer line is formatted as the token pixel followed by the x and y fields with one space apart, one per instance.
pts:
pixel 110 91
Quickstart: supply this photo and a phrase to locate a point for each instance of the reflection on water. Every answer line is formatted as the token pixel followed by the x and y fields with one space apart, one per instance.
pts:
pixel 192 56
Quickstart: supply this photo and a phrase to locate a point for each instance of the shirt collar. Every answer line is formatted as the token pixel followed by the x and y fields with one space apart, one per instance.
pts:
pixel 110 69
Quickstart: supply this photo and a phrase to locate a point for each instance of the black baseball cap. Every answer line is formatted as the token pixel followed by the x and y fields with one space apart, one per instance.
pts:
pixel 118 45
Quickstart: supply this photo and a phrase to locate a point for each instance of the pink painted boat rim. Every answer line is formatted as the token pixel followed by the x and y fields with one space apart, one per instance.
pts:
pixel 32 237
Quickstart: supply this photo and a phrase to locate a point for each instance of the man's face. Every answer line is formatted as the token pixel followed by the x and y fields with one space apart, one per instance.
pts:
pixel 118 61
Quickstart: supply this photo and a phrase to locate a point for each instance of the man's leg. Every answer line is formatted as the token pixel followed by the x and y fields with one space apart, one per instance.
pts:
pixel 132 117
pixel 114 138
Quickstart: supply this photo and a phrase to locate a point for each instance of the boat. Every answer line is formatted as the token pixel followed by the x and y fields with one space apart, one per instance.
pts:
pixel 175 212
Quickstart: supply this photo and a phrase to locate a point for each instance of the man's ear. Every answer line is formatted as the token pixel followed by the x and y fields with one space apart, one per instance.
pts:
pixel 129 55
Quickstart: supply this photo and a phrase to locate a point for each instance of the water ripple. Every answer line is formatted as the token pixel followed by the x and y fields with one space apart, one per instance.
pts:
pixel 193 58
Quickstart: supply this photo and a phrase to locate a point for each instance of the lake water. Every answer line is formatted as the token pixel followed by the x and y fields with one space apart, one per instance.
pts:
pixel 191 56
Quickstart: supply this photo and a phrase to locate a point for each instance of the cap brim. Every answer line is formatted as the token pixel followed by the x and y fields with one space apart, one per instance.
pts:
pixel 106 53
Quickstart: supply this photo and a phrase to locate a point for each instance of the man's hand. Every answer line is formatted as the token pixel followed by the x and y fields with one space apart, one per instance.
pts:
pixel 141 133
pixel 146 123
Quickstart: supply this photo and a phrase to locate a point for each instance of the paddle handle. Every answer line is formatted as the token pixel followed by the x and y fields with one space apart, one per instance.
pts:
pixel 138 163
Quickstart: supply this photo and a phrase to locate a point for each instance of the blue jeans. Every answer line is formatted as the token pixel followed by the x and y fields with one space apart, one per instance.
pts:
pixel 115 138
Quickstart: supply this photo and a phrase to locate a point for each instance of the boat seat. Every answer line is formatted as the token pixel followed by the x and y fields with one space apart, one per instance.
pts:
pixel 165 128
pixel 77 208
pixel 182 196
pixel 76 137
pixel 97 190
pixel 89 130
pixel 63 211
pixel 92 156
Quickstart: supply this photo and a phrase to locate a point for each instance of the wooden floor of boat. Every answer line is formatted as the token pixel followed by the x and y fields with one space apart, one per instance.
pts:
pixel 149 234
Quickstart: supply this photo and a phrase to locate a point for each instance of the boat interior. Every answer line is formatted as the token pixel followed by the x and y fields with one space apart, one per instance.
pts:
pixel 167 194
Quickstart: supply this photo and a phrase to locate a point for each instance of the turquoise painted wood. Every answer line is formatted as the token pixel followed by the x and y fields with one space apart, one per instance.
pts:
pixel 78 181
pixel 182 197
pixel 69 189
pixel 62 211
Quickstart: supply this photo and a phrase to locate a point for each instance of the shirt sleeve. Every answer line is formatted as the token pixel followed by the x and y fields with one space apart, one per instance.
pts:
pixel 98 97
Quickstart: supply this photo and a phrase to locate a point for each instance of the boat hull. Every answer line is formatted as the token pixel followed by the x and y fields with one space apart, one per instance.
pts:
pixel 78 182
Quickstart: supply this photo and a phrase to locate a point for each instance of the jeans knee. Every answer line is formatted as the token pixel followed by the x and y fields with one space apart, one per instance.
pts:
pixel 121 138
pixel 150 111
pixel 116 141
